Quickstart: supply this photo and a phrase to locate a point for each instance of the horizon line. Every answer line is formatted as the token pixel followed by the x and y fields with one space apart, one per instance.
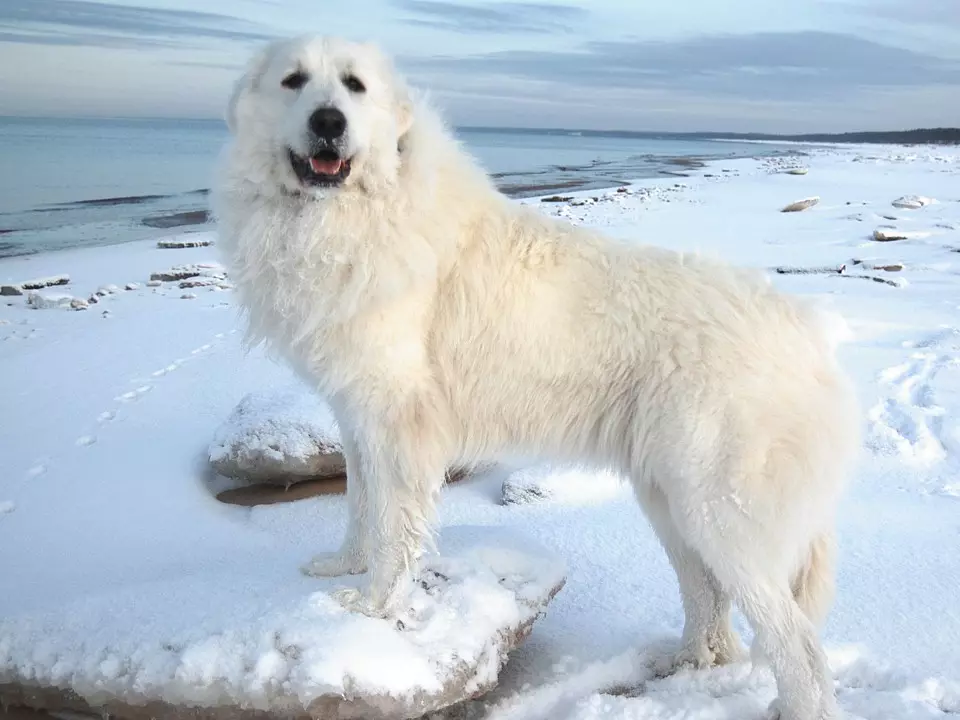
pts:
pixel 501 128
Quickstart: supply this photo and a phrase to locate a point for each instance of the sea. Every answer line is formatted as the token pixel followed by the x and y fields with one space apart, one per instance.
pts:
pixel 68 183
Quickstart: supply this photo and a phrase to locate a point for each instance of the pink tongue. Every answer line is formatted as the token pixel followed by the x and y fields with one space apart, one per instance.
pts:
pixel 325 167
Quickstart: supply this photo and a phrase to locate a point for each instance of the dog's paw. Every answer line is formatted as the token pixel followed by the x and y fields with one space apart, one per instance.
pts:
pixel 698 657
pixel 353 600
pixel 333 565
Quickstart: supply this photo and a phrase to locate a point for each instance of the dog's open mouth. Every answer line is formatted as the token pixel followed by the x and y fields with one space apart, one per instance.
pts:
pixel 322 169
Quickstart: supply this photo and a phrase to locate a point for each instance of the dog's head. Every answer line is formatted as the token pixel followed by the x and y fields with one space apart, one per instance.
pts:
pixel 315 115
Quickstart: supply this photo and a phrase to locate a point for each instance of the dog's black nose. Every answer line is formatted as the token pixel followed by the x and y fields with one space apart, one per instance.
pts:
pixel 328 123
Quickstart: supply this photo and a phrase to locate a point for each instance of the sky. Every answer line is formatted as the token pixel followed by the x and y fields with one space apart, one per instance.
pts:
pixel 672 65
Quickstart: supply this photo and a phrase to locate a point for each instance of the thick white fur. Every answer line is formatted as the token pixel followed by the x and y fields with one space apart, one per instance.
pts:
pixel 447 326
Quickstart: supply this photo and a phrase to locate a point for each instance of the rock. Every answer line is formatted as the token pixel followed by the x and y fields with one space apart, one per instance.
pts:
pixel 39 301
pixel 181 243
pixel 278 437
pixel 285 648
pixel 188 296
pixel 184 272
pixel 201 282
pixel 105 290
pixel 889 267
pixel 557 198
pixel 811 270
pixel 559 483
pixel 131 286
pixel 35 284
pixel 79 304
pixel 912 202
pixel 890 234
pixel 800 205
pixel 797 171
pixel 51 281
pixel 154 283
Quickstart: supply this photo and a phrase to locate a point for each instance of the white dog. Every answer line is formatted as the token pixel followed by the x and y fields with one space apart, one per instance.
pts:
pixel 448 326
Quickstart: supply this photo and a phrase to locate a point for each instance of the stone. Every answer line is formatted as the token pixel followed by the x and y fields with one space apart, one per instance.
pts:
pixel 801 205
pixel 35 284
pixel 912 202
pixel 891 234
pixel 797 171
pixel 278 437
pixel 185 272
pixel 568 484
pixel 304 657
pixel 180 243
pixel 275 440
pixel 40 283
pixel 132 286
pixel 79 304
pixel 39 301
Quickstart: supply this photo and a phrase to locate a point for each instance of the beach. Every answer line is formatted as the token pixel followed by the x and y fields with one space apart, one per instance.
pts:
pixel 108 514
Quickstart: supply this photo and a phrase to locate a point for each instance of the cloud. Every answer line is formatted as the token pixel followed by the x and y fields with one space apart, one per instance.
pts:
pixel 939 13
pixel 92 23
pixel 777 65
pixel 501 18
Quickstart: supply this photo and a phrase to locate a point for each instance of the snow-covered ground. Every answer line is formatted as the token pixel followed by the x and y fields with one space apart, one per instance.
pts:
pixel 108 412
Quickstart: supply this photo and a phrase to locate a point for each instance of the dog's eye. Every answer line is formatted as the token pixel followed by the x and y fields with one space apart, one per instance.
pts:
pixel 295 80
pixel 353 84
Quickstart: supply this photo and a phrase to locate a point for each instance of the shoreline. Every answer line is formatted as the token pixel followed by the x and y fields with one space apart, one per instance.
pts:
pixel 117 220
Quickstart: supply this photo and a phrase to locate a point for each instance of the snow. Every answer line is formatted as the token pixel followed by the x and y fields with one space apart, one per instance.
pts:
pixel 107 516
pixel 264 634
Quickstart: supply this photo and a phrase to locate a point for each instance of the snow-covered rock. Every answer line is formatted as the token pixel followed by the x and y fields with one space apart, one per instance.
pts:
pixel 912 202
pixel 275 643
pixel 35 284
pixel 183 272
pixel 278 437
pixel 800 205
pixel 569 484
pixel 181 243
pixel 46 301
pixel 890 234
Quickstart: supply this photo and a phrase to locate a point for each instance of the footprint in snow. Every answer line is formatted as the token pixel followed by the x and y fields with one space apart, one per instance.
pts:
pixel 133 394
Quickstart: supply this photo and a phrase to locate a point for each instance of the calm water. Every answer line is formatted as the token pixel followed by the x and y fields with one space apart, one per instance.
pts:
pixel 69 183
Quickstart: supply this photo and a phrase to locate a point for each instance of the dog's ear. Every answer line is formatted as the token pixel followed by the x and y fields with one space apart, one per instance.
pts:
pixel 248 81
pixel 404 115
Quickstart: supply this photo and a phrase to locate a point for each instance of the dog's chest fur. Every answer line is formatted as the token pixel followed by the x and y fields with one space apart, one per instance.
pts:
pixel 332 284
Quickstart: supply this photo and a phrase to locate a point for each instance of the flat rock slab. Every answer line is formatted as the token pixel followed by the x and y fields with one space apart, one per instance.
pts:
pixel 262 640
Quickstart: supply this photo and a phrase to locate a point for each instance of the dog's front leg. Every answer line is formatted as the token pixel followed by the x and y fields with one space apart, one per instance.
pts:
pixel 351 558
pixel 402 461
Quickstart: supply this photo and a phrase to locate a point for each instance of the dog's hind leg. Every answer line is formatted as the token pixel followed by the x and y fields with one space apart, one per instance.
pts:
pixel 744 556
pixel 708 637
pixel 351 558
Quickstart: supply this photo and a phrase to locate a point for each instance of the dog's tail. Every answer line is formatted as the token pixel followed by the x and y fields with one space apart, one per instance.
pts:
pixel 813 585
